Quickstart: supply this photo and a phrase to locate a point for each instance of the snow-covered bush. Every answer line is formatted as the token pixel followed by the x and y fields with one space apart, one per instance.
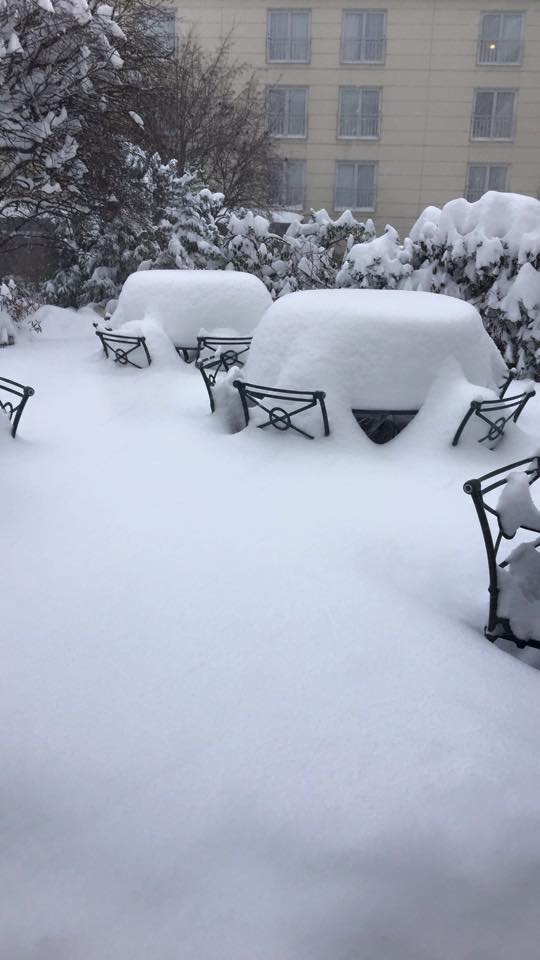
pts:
pixel 308 256
pixel 176 227
pixel 487 253
pixel 18 305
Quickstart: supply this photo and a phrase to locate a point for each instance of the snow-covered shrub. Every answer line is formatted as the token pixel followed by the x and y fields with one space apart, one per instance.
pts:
pixel 487 253
pixel 307 256
pixel 18 305
pixel 381 263
pixel 176 227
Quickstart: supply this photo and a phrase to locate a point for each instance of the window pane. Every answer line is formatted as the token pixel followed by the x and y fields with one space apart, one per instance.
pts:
pixel 297 112
pixel 279 24
pixel 365 182
pixel 276 111
pixel 476 181
pixel 295 184
pixel 374 29
pixel 299 35
pixel 345 177
pixel 504 113
pixel 348 117
pixel 490 26
pixel 497 178
pixel 510 45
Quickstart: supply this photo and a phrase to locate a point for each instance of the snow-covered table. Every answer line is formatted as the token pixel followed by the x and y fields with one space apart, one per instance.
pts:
pixel 185 302
pixel 374 351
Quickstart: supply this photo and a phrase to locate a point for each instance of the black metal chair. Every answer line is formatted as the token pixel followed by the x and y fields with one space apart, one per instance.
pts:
pixel 499 627
pixel 509 408
pixel 227 352
pixel 123 347
pixel 298 402
pixel 19 395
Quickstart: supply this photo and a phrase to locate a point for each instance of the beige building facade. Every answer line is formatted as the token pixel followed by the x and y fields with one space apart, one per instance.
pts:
pixel 394 105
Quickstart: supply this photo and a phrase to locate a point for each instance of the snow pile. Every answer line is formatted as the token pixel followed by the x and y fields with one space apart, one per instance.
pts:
pixel 184 301
pixel 369 349
pixel 7 328
pixel 487 253
pixel 516 507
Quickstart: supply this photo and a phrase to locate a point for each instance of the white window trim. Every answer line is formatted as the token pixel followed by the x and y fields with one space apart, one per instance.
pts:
pixel 347 136
pixel 271 10
pixel 495 63
pixel 509 139
pixel 358 163
pixel 487 164
pixel 375 63
pixel 291 86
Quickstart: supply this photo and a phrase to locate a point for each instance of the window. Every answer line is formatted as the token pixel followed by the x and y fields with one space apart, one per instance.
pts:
pixel 501 38
pixel 288 38
pixel 355 186
pixel 493 115
pixel 287 111
pixel 359 112
pixel 162 26
pixel 288 184
pixel 363 36
pixel 482 177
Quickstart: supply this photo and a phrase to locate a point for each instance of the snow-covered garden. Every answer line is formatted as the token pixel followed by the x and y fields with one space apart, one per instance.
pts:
pixel 248 709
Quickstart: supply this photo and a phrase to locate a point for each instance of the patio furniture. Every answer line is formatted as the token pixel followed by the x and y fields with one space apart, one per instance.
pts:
pixel 492 524
pixel 227 352
pixel 297 403
pixel 123 348
pixel 383 425
pixel 187 354
pixel 496 414
pixel 18 397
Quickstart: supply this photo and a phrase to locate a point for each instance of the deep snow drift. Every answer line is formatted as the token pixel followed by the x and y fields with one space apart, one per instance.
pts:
pixel 247 709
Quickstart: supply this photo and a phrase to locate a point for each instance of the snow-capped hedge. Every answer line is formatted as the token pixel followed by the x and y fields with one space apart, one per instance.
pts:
pixel 487 253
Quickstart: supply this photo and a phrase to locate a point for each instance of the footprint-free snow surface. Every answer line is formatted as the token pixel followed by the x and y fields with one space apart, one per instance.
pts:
pixel 247 710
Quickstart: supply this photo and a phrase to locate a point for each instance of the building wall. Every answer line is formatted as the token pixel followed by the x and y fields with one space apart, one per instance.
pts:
pixel 428 82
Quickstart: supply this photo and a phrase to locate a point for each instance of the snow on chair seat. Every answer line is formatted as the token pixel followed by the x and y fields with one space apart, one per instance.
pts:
pixel 296 403
pixel 225 353
pixel 496 414
pixel 124 348
pixel 514 583
pixel 10 407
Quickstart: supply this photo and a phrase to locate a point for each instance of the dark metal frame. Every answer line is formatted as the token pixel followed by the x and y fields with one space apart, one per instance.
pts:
pixel 251 395
pixel 117 344
pixel 187 354
pixel 499 627
pixel 222 360
pixel 14 410
pixel 511 407
pixel 382 426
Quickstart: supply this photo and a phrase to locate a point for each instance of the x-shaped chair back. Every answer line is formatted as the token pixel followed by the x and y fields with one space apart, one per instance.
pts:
pixel 14 406
pixel 226 353
pixel 123 348
pixel 495 414
pixel 280 417
pixel 493 533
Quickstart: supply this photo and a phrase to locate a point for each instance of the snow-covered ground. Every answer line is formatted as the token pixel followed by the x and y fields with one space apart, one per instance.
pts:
pixel 247 711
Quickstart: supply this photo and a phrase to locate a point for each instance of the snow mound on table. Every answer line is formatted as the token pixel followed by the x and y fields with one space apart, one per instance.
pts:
pixel 160 346
pixel 7 329
pixel 369 349
pixel 497 223
pixel 183 301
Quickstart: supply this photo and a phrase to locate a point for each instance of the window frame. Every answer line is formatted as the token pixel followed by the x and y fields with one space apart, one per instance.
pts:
pixel 363 11
pixel 496 91
pixel 284 162
pixel 500 63
pixel 488 165
pixel 166 14
pixel 357 164
pixel 359 136
pixel 288 87
pixel 289 11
